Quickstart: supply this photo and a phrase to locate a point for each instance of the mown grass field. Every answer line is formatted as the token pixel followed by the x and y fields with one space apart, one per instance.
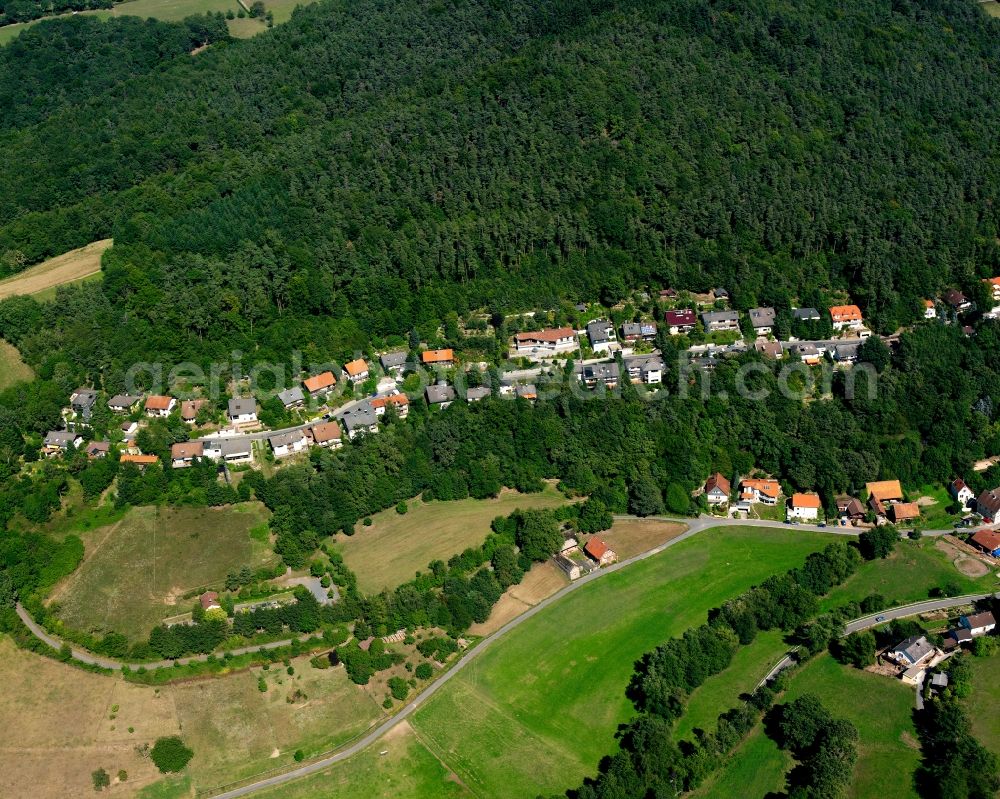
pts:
pixel 881 709
pixel 135 571
pixel 536 714
pixel 69 267
pixel 12 368
pixel 395 546
pixel 983 705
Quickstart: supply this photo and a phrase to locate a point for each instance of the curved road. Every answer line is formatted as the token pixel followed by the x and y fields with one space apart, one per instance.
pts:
pixel 927 606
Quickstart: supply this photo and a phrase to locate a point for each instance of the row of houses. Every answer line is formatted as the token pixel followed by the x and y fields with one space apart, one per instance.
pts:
pixel 843 317
pixel 576 562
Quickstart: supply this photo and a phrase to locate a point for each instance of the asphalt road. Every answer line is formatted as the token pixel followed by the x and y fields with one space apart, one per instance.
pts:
pixel 913 609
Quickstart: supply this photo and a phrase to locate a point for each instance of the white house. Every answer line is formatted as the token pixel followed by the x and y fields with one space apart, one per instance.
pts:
pixel 846 317
pixel 357 370
pixel 242 410
pixel 804 506
pixel 285 444
pixel 930 310
pixel 717 490
pixel 545 343
pixel 159 406
pixel 183 453
pixel 236 450
pixel 601 334
pixel 978 624
pixel 961 492
pixel 327 434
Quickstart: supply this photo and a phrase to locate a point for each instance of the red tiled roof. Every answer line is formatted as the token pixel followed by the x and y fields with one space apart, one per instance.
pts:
pixel 437 356
pixel 356 367
pixel 683 317
pixel 596 548
pixel 319 382
pixel 187 449
pixel 717 481
pixel 326 431
pixel 139 460
pixel 391 399
pixel 157 403
pixel 550 335
pixel 805 501
pixel 845 313
pixel 987 539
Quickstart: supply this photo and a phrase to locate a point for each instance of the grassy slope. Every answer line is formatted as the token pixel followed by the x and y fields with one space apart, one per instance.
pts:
pixel 130 569
pixel 12 368
pixel 69 267
pixel 984 703
pixel 537 713
pixel 396 546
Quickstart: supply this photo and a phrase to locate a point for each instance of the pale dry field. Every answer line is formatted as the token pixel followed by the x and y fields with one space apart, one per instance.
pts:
pixel 65 268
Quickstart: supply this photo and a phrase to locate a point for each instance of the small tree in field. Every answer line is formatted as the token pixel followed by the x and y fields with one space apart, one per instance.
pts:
pixel 170 754
pixel 101 779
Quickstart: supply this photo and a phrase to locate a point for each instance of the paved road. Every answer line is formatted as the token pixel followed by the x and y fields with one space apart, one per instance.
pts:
pixel 913 609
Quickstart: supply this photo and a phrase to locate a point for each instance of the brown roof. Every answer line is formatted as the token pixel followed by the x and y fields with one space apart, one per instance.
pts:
pixel 805 500
pixel 596 548
pixel 187 449
pixel 550 334
pixel 990 502
pixel 326 431
pixel 987 539
pixel 437 356
pixel 883 490
pixel 208 599
pixel 139 460
pixel 190 408
pixel 319 382
pixel 717 481
pixel 984 619
pixel 158 403
pixel 356 367
pixel 903 511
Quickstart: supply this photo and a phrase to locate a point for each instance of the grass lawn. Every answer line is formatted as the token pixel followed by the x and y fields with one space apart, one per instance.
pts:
pixel 66 268
pixel 907 575
pixel 396 546
pixel 398 765
pixel 12 368
pixel 934 516
pixel 536 714
pixel 881 709
pixel 991 7
pixel 135 571
pixel 983 705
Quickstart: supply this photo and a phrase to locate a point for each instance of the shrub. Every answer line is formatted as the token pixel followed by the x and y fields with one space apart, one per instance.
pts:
pixel 398 687
pixel 101 779
pixel 299 756
pixel 424 671
pixel 401 508
pixel 170 754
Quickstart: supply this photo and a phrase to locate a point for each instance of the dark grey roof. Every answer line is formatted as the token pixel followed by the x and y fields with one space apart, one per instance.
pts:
pixel 240 405
pixel 805 314
pixel 600 371
pixel 59 438
pixel 393 360
pixel 762 317
pixel 914 648
pixel 285 439
pixel 631 329
pixel 477 393
pixel 806 349
pixel 439 393
pixel 844 352
pixel 600 331
pixel 291 396
pixel 719 316
pixel 83 398
pixel 235 446
pixel 123 401
pixel 720 292
pixel 361 416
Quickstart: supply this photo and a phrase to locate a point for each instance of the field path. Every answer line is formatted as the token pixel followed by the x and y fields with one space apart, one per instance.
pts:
pixel 65 268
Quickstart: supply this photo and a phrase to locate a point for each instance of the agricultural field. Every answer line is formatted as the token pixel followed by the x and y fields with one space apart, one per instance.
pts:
pixel 136 571
pixel 888 749
pixel 983 705
pixel 911 571
pixel 69 267
pixel 536 714
pixel 12 368
pixel 397 546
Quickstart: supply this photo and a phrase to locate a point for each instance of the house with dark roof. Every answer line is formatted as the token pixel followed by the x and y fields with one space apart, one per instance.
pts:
pixel 961 492
pixel 98 449
pixel 645 369
pixel 680 321
pixel 978 623
pixel 805 315
pixel 477 393
pixel 846 353
pixel 327 434
pixel 124 403
pixel 82 402
pixel 183 453
pixel 440 395
pixel 808 353
pixel 850 508
pixel 638 331
pixel 394 362
pixel 242 410
pixel 601 334
pixel 769 349
pixel 58 441
pixel 235 450
pixel 288 443
pixel 988 505
pixel 360 419
pixel 720 321
pixel 911 652
pixel 762 320
pixel 593 375
pixel 957 301
pixel 292 397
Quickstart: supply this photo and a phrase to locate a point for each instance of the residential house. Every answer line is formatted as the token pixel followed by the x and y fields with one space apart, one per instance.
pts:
pixel 58 441
pixel 599 374
pixel 598 549
pixel 681 321
pixel 717 490
pixel 720 294
pixel 546 342
pixel 242 410
pixel 911 652
pixel 129 429
pixel 394 362
pixel 961 493
pixel 764 491
pixel 209 601
pixel 159 406
pixel 573 564
pixel 882 493
pixel 527 392
pixel 805 314
pixel 846 317
pixel 808 353
pixel 850 508
pixel 441 358
pixel 762 320
pixel 124 403
pixel 646 369
pixel 769 349
pixel 900 512
pixel 988 505
pixel 601 334
pixel 190 408
pixel 398 401
pixel 288 443
pixel 361 419
pixel 957 301
pixel 720 321
pixel 292 397
pixel 988 541
pixel 98 449
pixel 184 453
pixel 930 310
pixel 669 294
pixel 955 638
pixel 322 383
pixel 142 461
pixel 441 395
pixel 356 370
pixel 212 449
pixel 82 402
pixel 639 331
pixel 804 506
pixel 327 434
pixel 846 353
pixel 236 450
pixel 978 623
pixel 477 393
pixel 993 285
